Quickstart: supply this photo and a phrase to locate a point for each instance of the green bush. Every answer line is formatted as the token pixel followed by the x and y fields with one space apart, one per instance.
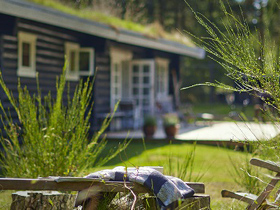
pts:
pixel 150 121
pixel 250 59
pixel 170 120
pixel 55 137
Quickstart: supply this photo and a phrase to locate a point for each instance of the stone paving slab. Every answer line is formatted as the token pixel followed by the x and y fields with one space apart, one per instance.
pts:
pixel 232 131
pixel 214 131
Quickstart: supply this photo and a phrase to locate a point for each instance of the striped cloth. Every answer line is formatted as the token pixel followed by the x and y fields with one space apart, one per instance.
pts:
pixel 168 190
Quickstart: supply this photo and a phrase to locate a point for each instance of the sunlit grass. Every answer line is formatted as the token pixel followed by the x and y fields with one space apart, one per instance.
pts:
pixel 214 160
pixel 210 160
pixel 88 13
pixel 152 30
pixel 5 199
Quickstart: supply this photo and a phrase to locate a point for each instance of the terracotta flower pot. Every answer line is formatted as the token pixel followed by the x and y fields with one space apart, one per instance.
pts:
pixel 149 130
pixel 171 131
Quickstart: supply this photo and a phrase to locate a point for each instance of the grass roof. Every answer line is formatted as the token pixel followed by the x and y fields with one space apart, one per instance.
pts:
pixel 154 30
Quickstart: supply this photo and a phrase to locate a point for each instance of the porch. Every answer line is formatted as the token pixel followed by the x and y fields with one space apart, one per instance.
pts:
pixel 141 85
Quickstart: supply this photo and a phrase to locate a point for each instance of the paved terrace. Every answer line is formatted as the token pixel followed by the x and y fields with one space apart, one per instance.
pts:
pixel 209 133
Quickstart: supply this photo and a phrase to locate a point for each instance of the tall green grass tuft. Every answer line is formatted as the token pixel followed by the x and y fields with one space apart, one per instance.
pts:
pixel 250 58
pixel 51 138
pixel 183 168
pixel 246 175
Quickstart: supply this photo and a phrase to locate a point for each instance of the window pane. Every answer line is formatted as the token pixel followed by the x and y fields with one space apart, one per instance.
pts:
pixel 84 63
pixel 146 91
pixel 116 68
pixel 116 79
pixel 161 78
pixel 146 69
pixel 135 91
pixel 135 80
pixel 72 61
pixel 26 54
pixel 135 69
pixel 146 80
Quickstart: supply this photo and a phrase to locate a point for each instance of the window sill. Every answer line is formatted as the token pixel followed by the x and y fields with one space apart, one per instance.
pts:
pixel 26 73
pixel 72 77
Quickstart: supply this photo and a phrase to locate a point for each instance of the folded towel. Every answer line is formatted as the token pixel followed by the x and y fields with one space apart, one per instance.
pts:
pixel 168 190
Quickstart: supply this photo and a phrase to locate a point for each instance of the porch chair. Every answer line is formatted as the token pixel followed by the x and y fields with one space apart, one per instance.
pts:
pixel 259 201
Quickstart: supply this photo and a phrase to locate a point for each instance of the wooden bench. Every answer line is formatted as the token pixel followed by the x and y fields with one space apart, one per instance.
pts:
pixel 79 184
pixel 255 201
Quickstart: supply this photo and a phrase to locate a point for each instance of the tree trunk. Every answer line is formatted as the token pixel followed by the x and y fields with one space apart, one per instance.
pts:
pixel 161 12
pixel 150 11
pixel 42 200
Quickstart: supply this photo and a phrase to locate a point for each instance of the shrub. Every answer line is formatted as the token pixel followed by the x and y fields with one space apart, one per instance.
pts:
pixel 170 120
pixel 150 121
pixel 55 137
pixel 250 58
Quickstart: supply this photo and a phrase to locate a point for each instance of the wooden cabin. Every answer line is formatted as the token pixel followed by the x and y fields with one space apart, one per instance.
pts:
pixel 129 67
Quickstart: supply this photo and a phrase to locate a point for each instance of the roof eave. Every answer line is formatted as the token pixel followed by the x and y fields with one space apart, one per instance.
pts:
pixel 50 16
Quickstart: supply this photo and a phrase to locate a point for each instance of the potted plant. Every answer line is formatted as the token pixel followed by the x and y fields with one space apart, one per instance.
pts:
pixel 150 126
pixel 171 125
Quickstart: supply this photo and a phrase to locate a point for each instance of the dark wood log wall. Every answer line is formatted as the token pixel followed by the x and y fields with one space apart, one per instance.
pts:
pixel 50 61
pixel 9 66
pixel 102 83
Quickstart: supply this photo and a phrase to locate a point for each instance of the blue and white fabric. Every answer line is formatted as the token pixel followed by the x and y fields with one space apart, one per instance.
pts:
pixel 168 190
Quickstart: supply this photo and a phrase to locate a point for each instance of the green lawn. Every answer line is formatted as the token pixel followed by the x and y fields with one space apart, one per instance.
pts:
pixel 214 159
pixel 212 162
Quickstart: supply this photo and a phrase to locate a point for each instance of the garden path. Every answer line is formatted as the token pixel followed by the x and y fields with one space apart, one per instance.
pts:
pixel 214 131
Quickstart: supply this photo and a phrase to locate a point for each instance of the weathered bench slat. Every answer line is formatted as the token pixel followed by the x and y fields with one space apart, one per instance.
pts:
pixel 246 197
pixel 77 184
pixel 270 165
pixel 255 202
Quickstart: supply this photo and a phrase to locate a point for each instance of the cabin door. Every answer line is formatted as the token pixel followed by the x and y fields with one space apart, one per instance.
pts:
pixel 142 86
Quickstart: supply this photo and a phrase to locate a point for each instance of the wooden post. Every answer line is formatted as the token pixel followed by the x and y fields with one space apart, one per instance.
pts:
pixel 176 88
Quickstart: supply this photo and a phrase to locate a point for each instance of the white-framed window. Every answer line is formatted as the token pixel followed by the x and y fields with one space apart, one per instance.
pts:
pixel 117 82
pixel 26 54
pixel 162 66
pixel 86 61
pixel 80 61
pixel 72 60
pixel 119 74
